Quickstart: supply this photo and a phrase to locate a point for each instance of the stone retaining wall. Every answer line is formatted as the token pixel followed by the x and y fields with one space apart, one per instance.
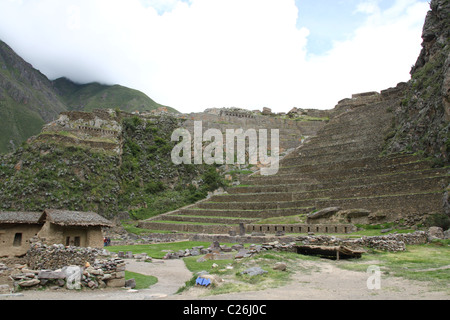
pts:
pixel 301 228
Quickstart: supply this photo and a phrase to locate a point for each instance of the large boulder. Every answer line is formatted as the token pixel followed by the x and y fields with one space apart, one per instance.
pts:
pixel 324 213
pixel 435 233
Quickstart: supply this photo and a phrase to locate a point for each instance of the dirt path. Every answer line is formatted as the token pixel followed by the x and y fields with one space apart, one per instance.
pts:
pixel 324 281
pixel 327 281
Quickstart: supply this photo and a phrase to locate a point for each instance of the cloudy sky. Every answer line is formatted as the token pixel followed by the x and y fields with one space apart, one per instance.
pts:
pixel 198 54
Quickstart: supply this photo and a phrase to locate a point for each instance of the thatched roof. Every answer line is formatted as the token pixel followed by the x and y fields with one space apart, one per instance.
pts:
pixel 21 218
pixel 75 218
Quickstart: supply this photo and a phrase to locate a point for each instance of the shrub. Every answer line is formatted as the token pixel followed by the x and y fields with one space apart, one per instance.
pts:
pixel 438 220
pixel 154 187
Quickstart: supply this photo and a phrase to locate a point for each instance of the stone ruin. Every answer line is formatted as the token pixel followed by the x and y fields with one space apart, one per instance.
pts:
pixel 58 267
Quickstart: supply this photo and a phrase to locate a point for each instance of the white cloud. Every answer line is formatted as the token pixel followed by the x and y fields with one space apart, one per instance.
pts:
pixel 369 7
pixel 213 53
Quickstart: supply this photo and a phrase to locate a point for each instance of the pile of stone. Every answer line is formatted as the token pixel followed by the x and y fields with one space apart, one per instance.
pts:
pixel 101 274
pixel 140 257
pixel 214 248
pixel 57 266
pixel 216 251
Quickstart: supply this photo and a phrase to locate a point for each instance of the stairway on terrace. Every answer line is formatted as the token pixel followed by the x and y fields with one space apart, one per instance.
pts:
pixel 339 167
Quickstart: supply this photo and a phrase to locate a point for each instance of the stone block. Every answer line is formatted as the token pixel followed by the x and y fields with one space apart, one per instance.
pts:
pixel 51 275
pixel 29 283
pixel 115 283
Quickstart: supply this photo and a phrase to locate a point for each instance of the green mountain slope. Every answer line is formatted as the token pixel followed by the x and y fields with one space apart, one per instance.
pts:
pixel 57 172
pixel 28 99
pixel 88 97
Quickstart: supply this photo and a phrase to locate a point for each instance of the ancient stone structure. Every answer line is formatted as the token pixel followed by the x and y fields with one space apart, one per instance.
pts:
pixel 340 165
pixel 100 129
pixel 16 230
pixel 81 229
pixel 292 131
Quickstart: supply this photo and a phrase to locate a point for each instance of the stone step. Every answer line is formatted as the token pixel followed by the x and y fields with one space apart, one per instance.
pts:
pixel 383 188
pixel 342 136
pixel 296 164
pixel 206 219
pixel 247 214
pixel 396 203
pixel 194 228
pixel 328 156
pixel 324 174
pixel 296 158
pixel 282 185
pixel 350 148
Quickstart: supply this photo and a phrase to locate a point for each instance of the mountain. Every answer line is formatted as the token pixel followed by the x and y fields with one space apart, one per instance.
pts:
pixel 88 97
pixel 28 99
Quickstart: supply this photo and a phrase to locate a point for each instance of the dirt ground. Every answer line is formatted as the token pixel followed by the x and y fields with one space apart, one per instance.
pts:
pixel 324 281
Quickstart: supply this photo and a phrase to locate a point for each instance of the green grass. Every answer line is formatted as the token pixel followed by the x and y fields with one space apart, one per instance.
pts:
pixel 142 281
pixel 237 282
pixel 131 227
pixel 419 262
pixel 18 123
pixel 284 220
pixel 156 250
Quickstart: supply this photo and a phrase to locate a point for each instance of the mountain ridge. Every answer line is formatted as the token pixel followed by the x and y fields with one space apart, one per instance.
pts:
pixel 29 100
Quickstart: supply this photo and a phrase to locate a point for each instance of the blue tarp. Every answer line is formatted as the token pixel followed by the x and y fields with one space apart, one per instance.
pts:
pixel 202 282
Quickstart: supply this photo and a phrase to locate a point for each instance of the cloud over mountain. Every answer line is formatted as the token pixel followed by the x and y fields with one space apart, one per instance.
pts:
pixel 196 54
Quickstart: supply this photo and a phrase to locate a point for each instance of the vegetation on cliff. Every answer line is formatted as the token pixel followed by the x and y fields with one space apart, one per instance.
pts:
pixel 422 120
pixel 141 180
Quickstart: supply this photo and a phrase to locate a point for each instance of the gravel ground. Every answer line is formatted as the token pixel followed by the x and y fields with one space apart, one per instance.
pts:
pixel 325 281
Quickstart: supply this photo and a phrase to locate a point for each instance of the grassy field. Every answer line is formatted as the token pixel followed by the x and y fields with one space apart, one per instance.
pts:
pixel 430 262
pixel 142 281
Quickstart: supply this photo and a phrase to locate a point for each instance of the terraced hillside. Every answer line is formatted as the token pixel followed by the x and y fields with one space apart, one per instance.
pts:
pixel 340 167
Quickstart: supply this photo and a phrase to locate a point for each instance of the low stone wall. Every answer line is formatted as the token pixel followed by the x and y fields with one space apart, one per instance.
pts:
pixel 301 228
pixel 392 242
pixel 57 256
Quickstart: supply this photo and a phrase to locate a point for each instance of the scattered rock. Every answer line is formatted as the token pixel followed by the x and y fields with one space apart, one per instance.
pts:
pixel 280 266
pixel 131 283
pixel 29 283
pixel 324 213
pixel 255 271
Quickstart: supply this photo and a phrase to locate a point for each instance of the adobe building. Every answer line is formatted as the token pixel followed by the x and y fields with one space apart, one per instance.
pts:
pixel 71 228
pixel 16 230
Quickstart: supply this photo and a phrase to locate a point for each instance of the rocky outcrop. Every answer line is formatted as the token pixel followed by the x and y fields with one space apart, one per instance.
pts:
pixel 422 119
